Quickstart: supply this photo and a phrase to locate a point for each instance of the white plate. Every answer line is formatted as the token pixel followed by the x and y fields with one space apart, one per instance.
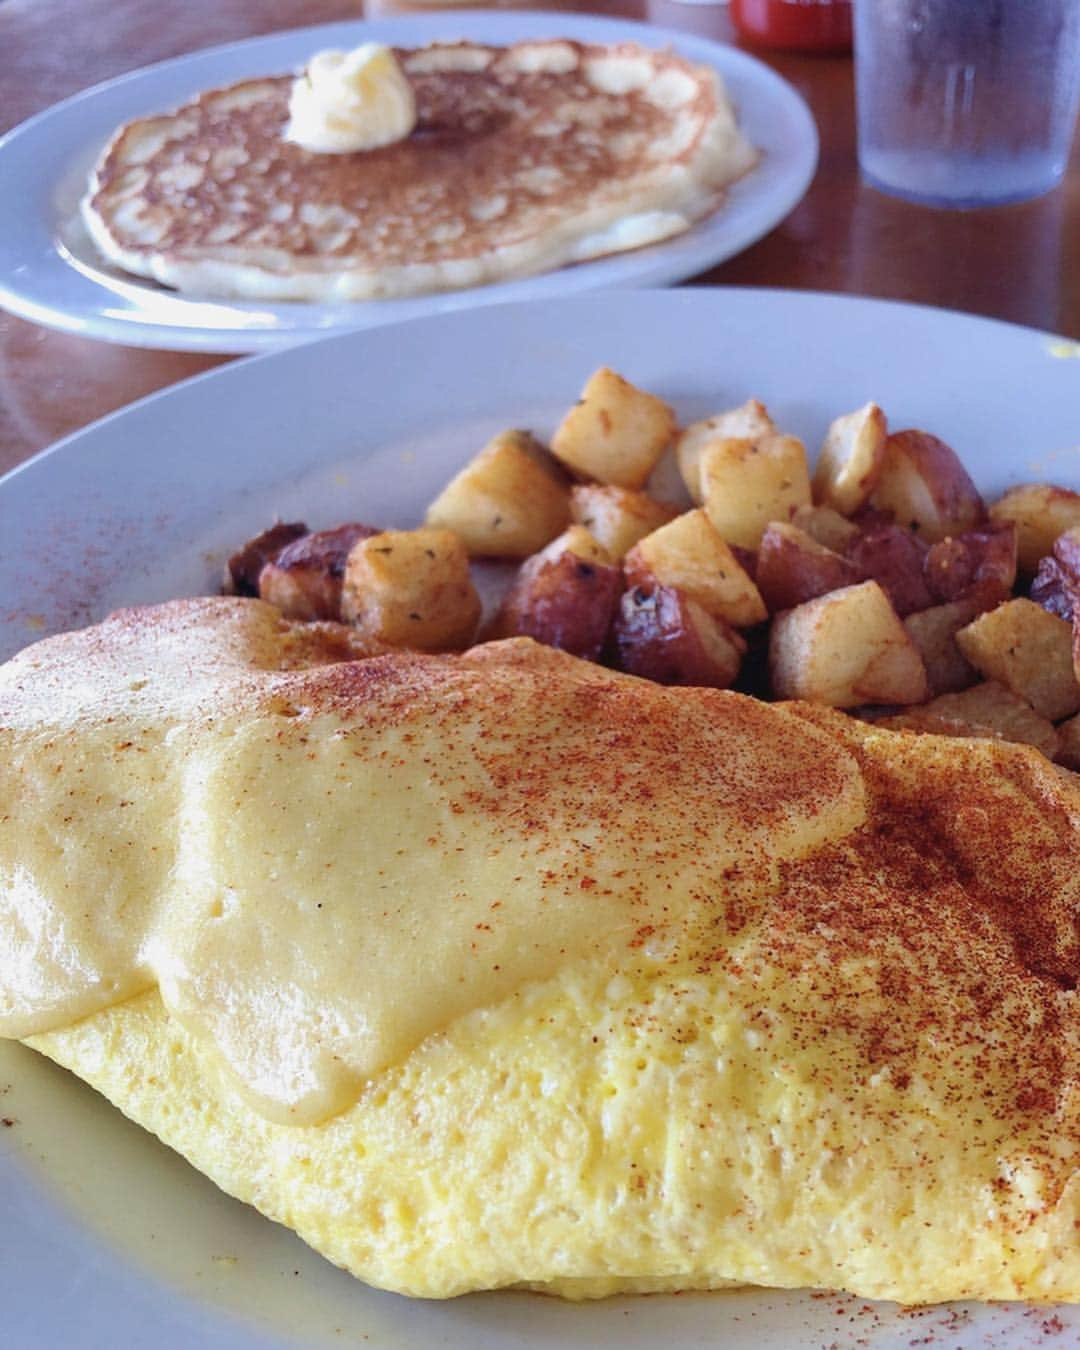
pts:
pixel 50 272
pixel 108 1238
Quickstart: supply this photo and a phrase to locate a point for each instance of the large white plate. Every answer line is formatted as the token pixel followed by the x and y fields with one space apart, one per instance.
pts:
pixel 107 1237
pixel 50 272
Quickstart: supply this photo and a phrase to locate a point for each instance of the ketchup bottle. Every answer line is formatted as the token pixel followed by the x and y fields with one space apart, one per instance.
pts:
pixel 795 25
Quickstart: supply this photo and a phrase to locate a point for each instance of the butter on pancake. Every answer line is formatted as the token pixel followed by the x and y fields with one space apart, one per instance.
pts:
pixel 523 159
pixel 565 979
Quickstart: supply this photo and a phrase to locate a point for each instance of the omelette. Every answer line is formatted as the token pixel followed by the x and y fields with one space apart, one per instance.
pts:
pixel 523 159
pixel 502 969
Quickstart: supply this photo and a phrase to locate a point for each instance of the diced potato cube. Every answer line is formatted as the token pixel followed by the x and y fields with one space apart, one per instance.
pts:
pixel 827 526
pixel 749 422
pixel 616 517
pixel 894 559
pixel 988 711
pixel 1052 588
pixel 851 459
pixel 1029 650
pixel 1067 553
pixel 924 485
pixel 1068 752
pixel 747 484
pixel 564 597
pixel 304 580
pixel 1041 512
pixel 688 555
pixel 792 568
pixel 615 432
pixel 845 649
pixel 934 632
pixel 980 565
pixel 507 502
pixel 411 588
pixel 665 636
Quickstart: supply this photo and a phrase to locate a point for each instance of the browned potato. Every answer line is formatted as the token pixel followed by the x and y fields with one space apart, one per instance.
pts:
pixel 750 422
pixel 411 588
pixel 747 484
pixel 827 526
pixel 665 636
pixel 793 568
pixel 845 649
pixel 690 556
pixel 1041 512
pixel 1068 752
pixel 507 502
pixel 615 432
pixel 924 485
pixel 894 559
pixel 243 568
pixel 1053 589
pixel 1028 650
pixel 851 459
pixel 565 596
pixel 934 632
pixel 304 580
pixel 980 565
pixel 988 711
pixel 616 517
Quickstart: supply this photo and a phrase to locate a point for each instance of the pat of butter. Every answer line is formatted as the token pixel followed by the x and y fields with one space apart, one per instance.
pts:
pixel 349 101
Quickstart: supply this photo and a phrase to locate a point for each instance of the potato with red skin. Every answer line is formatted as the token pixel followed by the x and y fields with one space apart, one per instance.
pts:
pixel 894 559
pixel 243 568
pixel 792 568
pixel 663 635
pixel 304 581
pixel 1067 554
pixel 979 565
pixel 934 632
pixel 1051 588
pixel 565 596
pixel 923 483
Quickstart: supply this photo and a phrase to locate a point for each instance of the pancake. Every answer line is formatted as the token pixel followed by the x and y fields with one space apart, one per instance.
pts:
pixel 524 159
pixel 502 969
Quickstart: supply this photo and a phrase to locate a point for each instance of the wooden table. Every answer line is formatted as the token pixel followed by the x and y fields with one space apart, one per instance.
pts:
pixel 1020 263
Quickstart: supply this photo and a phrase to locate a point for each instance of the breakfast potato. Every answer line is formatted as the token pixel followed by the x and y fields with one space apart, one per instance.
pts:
pixel 411 588
pixel 747 484
pixel 1052 588
pixel 1029 651
pixel 665 636
pixel 934 632
pixel 304 580
pixel 690 556
pixel 750 421
pixel 1067 554
pixel 243 568
pixel 615 433
pixel 894 558
pixel 564 597
pixel 1068 751
pixel 980 565
pixel 792 568
pixel 987 710
pixel 509 500
pixel 827 526
pixel 1041 512
pixel 616 517
pixel 924 485
pixel 845 649
pixel 851 458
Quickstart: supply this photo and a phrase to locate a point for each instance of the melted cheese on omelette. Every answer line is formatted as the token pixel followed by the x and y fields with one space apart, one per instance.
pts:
pixel 782 999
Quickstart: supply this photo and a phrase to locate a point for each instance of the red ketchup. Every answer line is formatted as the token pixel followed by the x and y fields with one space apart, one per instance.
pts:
pixel 795 25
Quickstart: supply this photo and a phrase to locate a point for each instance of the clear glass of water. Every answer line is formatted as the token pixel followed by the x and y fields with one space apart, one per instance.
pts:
pixel 966 103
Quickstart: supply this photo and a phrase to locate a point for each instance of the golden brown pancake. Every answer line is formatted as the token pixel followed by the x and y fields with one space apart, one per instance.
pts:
pixel 504 969
pixel 524 158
